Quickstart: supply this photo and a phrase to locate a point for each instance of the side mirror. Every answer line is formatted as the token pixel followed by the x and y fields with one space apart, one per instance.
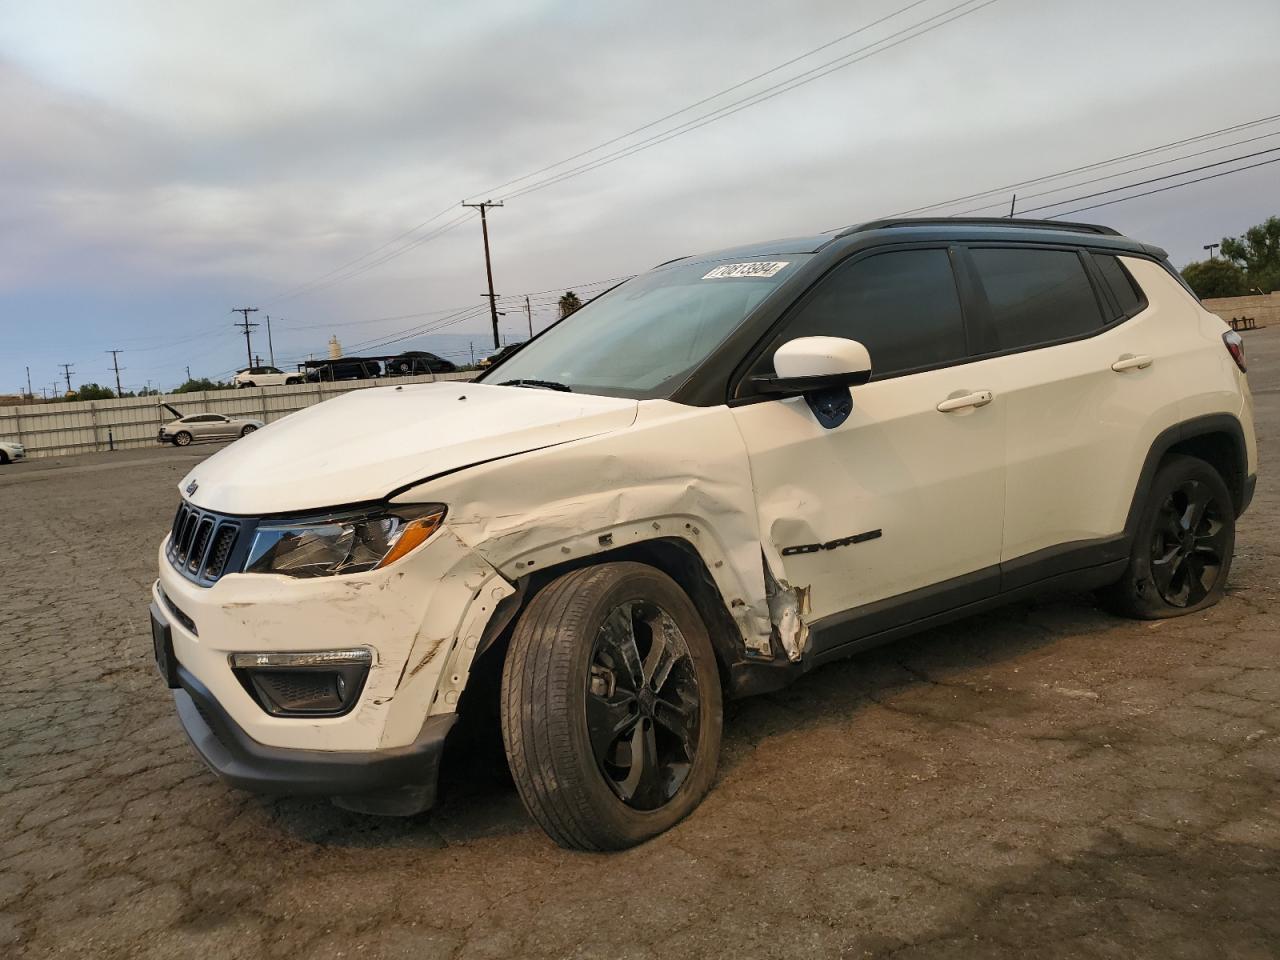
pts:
pixel 815 363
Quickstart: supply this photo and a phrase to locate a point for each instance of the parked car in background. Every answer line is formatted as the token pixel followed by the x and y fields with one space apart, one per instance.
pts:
pixel 11 451
pixel 353 368
pixel 419 361
pixel 719 475
pixel 264 377
pixel 501 355
pixel 206 426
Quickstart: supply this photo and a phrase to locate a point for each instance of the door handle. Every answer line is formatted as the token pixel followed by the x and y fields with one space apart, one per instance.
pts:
pixel 979 399
pixel 1130 362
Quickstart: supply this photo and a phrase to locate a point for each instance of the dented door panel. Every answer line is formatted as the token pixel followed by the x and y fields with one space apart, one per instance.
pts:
pixel 897 497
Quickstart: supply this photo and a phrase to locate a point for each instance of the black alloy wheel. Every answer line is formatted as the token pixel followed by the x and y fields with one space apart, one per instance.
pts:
pixel 1182 545
pixel 1190 540
pixel 643 708
pixel 611 705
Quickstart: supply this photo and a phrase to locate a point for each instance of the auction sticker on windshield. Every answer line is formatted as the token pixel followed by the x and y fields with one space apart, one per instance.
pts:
pixel 761 269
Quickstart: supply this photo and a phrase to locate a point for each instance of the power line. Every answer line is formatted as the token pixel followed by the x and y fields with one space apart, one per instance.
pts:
pixel 356 267
pixel 1172 186
pixel 1143 183
pixel 1121 173
pixel 1090 166
pixel 293 291
pixel 321 283
pixel 705 100
pixel 857 56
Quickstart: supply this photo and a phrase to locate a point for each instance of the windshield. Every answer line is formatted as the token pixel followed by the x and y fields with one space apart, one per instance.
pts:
pixel 642 338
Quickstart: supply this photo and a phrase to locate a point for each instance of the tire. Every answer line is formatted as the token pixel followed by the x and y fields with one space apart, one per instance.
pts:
pixel 4 459
pixel 182 439
pixel 292 382
pixel 568 658
pixel 247 384
pixel 248 429
pixel 1183 546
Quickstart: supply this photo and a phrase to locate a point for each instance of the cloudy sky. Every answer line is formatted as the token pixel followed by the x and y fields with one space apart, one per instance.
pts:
pixel 161 163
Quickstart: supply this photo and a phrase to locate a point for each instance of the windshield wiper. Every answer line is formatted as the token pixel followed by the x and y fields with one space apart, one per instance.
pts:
pixel 539 384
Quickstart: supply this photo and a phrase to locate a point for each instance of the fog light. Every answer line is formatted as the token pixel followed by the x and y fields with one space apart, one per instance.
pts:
pixel 325 683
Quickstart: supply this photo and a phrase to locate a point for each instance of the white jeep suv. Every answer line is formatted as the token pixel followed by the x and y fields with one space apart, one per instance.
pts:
pixel 721 474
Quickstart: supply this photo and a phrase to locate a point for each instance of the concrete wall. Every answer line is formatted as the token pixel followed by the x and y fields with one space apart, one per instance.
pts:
pixel 84 426
pixel 1265 308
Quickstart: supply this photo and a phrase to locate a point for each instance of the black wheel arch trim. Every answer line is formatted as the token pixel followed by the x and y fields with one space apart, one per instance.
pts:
pixel 1240 484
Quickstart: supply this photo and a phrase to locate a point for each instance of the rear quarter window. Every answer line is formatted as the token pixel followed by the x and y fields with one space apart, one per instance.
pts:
pixel 1036 297
pixel 1128 298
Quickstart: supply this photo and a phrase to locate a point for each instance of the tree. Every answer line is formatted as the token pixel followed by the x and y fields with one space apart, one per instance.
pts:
pixel 195 385
pixel 92 391
pixel 569 303
pixel 1218 277
pixel 1257 253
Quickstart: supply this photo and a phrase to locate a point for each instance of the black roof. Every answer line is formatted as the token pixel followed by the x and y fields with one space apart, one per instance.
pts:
pixel 944 228
pixel 1068 226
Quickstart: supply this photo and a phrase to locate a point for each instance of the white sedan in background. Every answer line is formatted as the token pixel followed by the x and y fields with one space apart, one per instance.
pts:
pixel 206 426
pixel 10 451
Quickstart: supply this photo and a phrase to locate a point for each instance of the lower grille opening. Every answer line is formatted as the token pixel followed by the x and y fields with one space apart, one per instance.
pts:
pixel 305 692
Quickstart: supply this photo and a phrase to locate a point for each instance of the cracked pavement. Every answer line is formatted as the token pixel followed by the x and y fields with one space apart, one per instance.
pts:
pixel 1044 780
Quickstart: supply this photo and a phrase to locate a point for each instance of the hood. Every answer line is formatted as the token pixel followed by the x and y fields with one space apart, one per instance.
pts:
pixel 365 444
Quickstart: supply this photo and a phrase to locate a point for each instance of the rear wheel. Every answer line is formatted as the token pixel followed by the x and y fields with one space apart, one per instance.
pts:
pixel 4 458
pixel 181 439
pixel 611 706
pixel 1183 546
pixel 248 429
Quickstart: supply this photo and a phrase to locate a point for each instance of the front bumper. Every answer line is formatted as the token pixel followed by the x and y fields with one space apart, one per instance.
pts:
pixel 397 780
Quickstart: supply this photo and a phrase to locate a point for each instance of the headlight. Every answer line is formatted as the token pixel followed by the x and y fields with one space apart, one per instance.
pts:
pixel 343 544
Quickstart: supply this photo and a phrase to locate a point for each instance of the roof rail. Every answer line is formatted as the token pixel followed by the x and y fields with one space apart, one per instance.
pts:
pixel 1019 222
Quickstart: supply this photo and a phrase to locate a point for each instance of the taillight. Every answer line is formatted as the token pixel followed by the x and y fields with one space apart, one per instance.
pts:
pixel 1235 346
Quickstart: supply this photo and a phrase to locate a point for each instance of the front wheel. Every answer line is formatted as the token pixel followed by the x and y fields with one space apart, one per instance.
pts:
pixel 1183 546
pixel 292 382
pixel 181 439
pixel 611 706
pixel 4 458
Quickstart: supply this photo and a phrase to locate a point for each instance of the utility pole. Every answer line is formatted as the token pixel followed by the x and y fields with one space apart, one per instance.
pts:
pixel 248 343
pixel 115 365
pixel 528 312
pixel 29 393
pixel 271 351
pixel 1012 203
pixel 488 263
pixel 188 373
pixel 66 372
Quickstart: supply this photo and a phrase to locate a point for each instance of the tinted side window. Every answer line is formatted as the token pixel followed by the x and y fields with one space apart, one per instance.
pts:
pixel 1036 297
pixel 902 306
pixel 1119 283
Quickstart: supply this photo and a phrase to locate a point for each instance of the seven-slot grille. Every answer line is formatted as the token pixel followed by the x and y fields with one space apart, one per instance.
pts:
pixel 201 542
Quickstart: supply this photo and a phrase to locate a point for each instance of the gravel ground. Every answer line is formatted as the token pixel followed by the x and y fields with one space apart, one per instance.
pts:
pixel 1041 781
